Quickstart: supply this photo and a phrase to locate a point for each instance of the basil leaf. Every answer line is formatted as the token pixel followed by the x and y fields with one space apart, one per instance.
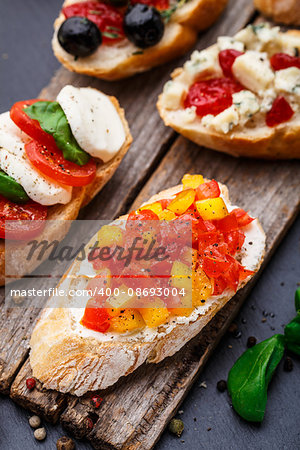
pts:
pixel 297 299
pixel 249 377
pixel 11 189
pixel 52 119
pixel 292 335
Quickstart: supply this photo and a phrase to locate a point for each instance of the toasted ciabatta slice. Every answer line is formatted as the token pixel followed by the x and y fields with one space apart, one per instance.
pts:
pixel 123 59
pixel 68 357
pixel 59 217
pixel 282 11
pixel 241 129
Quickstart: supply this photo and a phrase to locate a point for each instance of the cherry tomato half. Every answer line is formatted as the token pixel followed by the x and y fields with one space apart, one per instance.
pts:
pixel 51 162
pixel 226 60
pixel 279 113
pixel 28 125
pixel 212 96
pixel 27 219
pixel 281 61
pixel 108 18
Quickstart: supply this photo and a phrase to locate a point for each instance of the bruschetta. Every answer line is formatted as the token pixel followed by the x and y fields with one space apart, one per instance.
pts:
pixel 281 11
pixel 116 39
pixel 240 96
pixel 55 157
pixel 86 346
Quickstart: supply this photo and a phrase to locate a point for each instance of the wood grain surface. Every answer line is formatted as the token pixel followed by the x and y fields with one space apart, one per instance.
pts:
pixel 135 411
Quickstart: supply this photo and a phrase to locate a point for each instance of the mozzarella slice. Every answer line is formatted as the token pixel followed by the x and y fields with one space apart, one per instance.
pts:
pixel 14 162
pixel 94 121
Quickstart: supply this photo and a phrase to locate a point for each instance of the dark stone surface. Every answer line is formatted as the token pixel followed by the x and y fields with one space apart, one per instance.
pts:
pixel 26 66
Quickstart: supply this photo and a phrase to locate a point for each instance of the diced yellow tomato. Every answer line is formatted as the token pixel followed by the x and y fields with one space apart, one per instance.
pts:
pixel 125 320
pixel 157 315
pixel 212 208
pixel 185 307
pixel 181 275
pixel 183 201
pixel 202 287
pixel 110 235
pixel 166 215
pixel 192 181
pixel 123 300
pixel 155 207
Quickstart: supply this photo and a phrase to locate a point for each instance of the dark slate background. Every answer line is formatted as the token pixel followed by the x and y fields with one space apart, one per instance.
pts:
pixel 26 66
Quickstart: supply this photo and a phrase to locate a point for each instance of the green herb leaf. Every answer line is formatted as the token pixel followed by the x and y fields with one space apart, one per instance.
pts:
pixel 11 189
pixel 52 119
pixel 167 13
pixel 297 299
pixel 292 335
pixel 110 35
pixel 249 377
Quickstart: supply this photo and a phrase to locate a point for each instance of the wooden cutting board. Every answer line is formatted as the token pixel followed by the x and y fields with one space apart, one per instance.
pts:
pixel 136 409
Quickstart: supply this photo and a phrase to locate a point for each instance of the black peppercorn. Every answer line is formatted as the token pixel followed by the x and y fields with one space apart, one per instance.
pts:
pixel 222 385
pixel 251 341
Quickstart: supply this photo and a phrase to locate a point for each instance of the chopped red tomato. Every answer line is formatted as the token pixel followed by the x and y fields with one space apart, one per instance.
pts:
pixel 243 218
pixel 95 318
pixel 234 240
pixel 21 221
pixel 226 60
pixel 281 61
pixel 108 18
pixel 158 4
pixel 51 162
pixel 212 96
pixel 280 112
pixel 210 189
pixel 30 126
pixel 144 214
pixel 228 223
pixel 165 203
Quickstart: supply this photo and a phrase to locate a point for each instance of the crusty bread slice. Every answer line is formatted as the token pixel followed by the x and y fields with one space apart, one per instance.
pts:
pixel 253 139
pixel 69 358
pixel 124 59
pixel 281 11
pixel 60 216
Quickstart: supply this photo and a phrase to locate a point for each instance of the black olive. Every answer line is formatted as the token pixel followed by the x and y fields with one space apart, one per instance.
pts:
pixel 143 25
pixel 79 36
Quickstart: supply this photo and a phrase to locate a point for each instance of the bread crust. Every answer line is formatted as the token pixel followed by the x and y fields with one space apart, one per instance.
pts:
pixel 180 35
pixel 282 11
pixel 280 142
pixel 60 216
pixel 64 361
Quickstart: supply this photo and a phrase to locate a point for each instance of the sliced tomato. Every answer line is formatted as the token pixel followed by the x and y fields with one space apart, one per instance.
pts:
pixel 280 112
pixel 30 126
pixel 242 216
pixel 95 318
pixel 281 61
pixel 21 221
pixel 210 189
pixel 51 162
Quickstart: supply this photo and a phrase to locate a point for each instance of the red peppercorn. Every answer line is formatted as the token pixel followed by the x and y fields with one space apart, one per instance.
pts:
pixel 96 401
pixel 89 423
pixel 30 383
